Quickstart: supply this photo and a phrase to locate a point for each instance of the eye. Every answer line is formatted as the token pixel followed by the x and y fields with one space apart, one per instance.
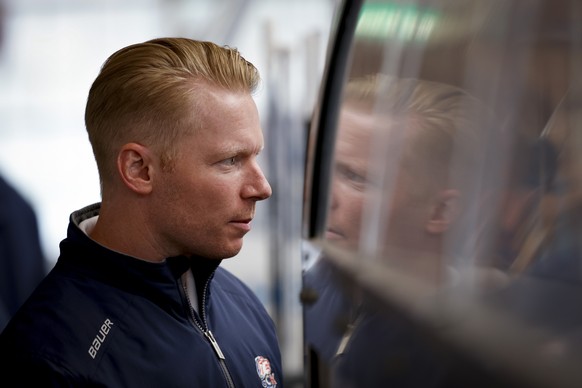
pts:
pixel 351 177
pixel 230 161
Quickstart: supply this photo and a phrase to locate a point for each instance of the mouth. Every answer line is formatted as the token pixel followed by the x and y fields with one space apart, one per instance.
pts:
pixel 334 234
pixel 243 224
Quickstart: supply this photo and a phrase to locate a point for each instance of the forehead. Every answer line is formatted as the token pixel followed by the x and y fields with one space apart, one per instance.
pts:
pixel 364 131
pixel 226 121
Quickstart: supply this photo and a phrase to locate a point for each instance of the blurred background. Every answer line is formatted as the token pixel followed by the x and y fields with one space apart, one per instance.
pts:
pixel 51 51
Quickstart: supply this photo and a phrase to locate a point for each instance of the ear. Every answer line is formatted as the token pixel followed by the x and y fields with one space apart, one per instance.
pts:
pixel 444 211
pixel 134 163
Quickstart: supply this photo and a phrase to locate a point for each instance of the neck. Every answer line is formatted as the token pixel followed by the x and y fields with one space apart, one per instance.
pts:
pixel 122 230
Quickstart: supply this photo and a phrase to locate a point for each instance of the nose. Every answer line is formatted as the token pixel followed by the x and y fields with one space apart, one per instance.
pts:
pixel 257 188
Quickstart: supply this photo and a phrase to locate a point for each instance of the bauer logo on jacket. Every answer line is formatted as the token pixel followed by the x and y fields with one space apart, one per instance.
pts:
pixel 100 337
pixel 264 371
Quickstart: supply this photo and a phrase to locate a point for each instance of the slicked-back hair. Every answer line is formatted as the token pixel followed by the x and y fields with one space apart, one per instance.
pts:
pixel 145 91
pixel 444 119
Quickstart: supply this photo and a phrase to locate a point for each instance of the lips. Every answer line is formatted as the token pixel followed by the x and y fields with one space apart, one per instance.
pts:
pixel 243 224
pixel 243 220
pixel 334 234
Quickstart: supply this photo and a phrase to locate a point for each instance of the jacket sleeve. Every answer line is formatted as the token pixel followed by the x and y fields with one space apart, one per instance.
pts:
pixel 24 371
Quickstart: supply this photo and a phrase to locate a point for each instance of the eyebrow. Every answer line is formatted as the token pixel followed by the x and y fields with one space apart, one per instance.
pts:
pixel 236 149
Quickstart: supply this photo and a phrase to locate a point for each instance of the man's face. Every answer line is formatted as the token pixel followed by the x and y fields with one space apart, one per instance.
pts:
pixel 205 204
pixel 359 181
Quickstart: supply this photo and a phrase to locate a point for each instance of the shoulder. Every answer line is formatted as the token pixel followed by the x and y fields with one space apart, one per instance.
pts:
pixel 227 282
pixel 55 327
pixel 12 202
pixel 234 292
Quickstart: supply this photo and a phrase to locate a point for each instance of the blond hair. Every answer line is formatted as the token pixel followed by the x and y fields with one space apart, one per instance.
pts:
pixel 444 120
pixel 144 92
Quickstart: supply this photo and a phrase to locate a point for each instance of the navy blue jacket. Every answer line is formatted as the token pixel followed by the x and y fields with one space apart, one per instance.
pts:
pixel 103 319
pixel 382 350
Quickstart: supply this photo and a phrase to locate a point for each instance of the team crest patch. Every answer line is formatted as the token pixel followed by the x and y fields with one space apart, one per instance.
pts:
pixel 264 371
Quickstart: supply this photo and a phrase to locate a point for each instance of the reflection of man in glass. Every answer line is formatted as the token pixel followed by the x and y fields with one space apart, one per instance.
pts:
pixel 407 149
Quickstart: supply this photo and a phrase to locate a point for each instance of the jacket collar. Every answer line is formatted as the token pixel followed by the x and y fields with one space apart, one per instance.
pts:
pixel 156 281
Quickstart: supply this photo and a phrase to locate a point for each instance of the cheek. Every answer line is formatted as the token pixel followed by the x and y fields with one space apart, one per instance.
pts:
pixel 204 185
pixel 355 207
pixel 187 195
pixel 351 212
pixel 405 219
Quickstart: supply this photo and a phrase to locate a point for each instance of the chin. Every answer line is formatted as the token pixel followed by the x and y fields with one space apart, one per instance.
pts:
pixel 228 253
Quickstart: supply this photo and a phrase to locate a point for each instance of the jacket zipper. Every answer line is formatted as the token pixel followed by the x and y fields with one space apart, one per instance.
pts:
pixel 203 327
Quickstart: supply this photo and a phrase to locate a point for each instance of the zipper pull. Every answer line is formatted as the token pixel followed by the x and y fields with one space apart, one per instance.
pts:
pixel 345 339
pixel 212 340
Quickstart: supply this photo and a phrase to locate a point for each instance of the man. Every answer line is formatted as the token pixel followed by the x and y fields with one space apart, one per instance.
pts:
pixel 406 149
pixel 137 297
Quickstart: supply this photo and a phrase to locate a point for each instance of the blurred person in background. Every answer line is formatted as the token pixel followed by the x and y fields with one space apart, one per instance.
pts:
pixel 409 146
pixel 529 182
pixel 552 248
pixel 22 260
pixel 545 255
pixel 137 297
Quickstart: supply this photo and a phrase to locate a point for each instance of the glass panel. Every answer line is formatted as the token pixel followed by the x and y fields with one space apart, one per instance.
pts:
pixel 454 193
